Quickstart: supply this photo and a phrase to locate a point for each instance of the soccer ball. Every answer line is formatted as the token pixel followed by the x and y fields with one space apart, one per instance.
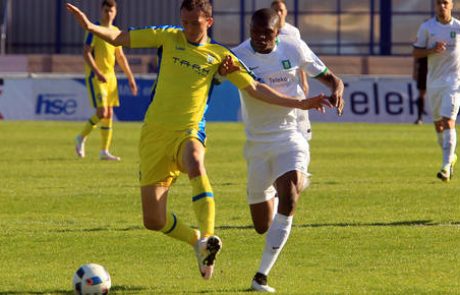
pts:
pixel 91 279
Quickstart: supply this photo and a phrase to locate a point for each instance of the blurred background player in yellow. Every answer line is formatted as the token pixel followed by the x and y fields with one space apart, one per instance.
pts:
pixel 101 82
pixel 173 135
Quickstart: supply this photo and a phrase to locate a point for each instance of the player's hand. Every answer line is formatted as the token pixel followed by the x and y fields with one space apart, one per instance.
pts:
pixel 319 103
pixel 133 87
pixel 440 47
pixel 101 77
pixel 228 66
pixel 80 16
pixel 336 99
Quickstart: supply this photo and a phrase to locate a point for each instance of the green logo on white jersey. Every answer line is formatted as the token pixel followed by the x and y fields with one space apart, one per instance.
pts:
pixel 453 34
pixel 286 64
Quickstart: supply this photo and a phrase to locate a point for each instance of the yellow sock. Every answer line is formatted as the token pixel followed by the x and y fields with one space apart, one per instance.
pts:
pixel 106 134
pixel 176 229
pixel 89 126
pixel 203 204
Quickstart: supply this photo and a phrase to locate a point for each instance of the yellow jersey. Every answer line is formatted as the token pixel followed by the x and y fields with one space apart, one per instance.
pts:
pixel 184 82
pixel 103 54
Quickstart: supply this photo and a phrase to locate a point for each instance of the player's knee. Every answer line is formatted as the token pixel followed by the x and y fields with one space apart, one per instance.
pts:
pixel 303 184
pixel 195 166
pixel 288 204
pixel 291 204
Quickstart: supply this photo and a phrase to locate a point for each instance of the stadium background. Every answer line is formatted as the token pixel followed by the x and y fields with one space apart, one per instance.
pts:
pixel 368 42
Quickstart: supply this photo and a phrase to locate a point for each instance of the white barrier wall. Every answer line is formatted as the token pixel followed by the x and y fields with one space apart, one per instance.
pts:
pixel 44 99
pixel 368 99
pixel 374 99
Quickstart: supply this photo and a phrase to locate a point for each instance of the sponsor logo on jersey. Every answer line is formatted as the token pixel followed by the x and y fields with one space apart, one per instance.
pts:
pixel 286 64
pixel 210 59
pixel 278 80
pixel 453 34
pixel 192 66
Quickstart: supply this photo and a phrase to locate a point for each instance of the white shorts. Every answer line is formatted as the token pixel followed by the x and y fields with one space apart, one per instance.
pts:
pixel 268 161
pixel 444 102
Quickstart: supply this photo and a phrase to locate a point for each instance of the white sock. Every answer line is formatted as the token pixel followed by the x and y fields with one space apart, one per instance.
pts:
pixel 440 138
pixel 449 143
pixel 277 236
pixel 276 201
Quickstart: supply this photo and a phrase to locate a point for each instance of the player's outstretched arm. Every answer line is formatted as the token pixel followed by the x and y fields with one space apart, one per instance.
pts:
pixel 439 47
pixel 335 84
pixel 114 37
pixel 267 94
pixel 124 65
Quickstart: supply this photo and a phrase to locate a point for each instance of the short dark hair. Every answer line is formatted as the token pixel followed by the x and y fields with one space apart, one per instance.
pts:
pixel 266 16
pixel 203 5
pixel 277 2
pixel 109 3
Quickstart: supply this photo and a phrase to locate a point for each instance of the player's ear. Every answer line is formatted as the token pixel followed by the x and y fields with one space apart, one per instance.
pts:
pixel 210 21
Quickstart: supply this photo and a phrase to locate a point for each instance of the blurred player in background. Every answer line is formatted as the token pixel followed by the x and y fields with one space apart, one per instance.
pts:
pixel 289 30
pixel 438 39
pixel 419 75
pixel 276 151
pixel 101 82
pixel 173 135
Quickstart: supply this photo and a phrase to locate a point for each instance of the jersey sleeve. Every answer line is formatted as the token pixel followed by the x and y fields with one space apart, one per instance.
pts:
pixel 150 37
pixel 296 33
pixel 311 63
pixel 422 37
pixel 242 78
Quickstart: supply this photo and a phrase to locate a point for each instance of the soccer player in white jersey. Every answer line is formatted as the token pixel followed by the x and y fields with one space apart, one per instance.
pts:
pixel 289 30
pixel 276 152
pixel 439 39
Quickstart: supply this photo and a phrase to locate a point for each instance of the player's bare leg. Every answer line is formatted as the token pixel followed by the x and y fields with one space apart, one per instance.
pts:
pixel 288 188
pixel 208 246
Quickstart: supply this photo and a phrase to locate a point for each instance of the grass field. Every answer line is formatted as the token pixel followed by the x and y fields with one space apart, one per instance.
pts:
pixel 374 221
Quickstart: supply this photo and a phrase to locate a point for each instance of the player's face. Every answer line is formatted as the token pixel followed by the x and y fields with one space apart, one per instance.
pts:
pixel 281 9
pixel 263 37
pixel 196 25
pixel 108 13
pixel 444 8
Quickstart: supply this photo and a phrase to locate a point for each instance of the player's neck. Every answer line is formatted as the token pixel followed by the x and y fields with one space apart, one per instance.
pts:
pixel 204 40
pixel 105 23
pixel 444 19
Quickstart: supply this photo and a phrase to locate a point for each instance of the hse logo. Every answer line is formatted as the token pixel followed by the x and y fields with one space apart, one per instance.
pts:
pixel 56 104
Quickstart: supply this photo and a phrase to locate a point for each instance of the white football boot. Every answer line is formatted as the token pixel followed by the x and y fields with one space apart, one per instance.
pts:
pixel 206 250
pixel 106 156
pixel 80 146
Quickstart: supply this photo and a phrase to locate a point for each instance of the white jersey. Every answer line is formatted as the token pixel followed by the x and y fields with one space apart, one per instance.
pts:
pixel 304 120
pixel 290 30
pixel 279 69
pixel 443 68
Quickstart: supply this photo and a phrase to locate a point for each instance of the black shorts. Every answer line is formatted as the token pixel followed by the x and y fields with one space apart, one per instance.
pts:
pixel 421 69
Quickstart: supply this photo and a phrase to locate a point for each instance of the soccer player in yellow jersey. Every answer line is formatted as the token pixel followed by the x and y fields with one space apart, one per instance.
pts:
pixel 173 135
pixel 101 82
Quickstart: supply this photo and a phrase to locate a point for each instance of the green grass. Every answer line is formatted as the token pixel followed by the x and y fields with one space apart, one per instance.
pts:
pixel 374 221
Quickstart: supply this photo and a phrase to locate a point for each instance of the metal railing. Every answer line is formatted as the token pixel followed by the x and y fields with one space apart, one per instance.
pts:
pixel 333 27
